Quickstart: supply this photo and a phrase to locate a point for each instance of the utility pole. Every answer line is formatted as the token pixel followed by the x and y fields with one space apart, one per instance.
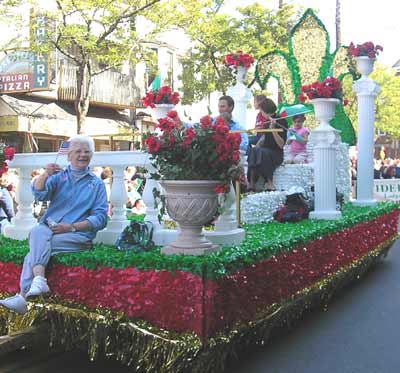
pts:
pixel 338 25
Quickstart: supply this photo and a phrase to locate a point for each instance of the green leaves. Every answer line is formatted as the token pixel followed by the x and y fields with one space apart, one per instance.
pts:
pixel 387 101
pixel 262 241
pixel 255 30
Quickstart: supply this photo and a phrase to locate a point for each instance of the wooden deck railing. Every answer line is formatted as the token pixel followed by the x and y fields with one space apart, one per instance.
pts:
pixel 109 88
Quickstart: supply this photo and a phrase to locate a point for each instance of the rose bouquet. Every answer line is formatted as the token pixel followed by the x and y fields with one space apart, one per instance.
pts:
pixel 329 88
pixel 206 151
pixel 6 154
pixel 164 95
pixel 234 60
pixel 367 49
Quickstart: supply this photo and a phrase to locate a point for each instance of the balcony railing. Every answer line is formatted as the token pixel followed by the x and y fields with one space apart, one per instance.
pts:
pixel 109 88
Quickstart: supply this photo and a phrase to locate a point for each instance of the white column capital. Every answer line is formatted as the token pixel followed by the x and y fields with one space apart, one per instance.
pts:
pixel 324 137
pixel 366 87
pixel 239 92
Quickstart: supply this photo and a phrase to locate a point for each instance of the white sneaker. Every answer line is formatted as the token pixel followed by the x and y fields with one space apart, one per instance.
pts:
pixel 17 303
pixel 39 286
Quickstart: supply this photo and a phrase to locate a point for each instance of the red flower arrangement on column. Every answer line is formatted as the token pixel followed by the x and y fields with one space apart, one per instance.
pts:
pixel 328 88
pixel 235 60
pixel 164 95
pixel 367 49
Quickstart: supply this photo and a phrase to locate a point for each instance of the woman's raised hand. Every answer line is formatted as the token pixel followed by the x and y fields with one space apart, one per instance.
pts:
pixel 52 168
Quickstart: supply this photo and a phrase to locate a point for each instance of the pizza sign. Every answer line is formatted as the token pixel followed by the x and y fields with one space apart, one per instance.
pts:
pixel 25 71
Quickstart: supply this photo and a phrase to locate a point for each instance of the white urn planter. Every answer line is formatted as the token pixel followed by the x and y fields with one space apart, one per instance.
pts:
pixel 241 72
pixel 191 203
pixel 324 110
pixel 365 65
pixel 161 110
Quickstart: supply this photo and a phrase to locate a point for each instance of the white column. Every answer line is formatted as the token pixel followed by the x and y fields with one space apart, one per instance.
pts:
pixel 325 143
pixel 242 96
pixel 161 236
pixel 24 220
pixel 226 231
pixel 118 199
pixel 325 139
pixel 366 90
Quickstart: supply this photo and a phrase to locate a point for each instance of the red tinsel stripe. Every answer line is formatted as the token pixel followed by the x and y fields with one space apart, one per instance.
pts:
pixel 239 296
pixel 175 300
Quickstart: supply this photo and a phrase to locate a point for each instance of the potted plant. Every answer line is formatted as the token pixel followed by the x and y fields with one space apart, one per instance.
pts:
pixel 365 55
pixel 324 96
pixel 162 100
pixel 240 62
pixel 193 164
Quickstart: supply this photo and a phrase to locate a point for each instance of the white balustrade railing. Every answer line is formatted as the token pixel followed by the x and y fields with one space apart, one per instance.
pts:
pixel 118 161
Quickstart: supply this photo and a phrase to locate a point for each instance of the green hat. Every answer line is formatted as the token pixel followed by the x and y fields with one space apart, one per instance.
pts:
pixel 292 110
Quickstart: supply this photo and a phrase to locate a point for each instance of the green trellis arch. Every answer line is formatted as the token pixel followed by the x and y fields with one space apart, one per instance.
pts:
pixel 308 60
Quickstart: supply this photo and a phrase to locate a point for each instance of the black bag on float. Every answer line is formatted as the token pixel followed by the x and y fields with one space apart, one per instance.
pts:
pixel 137 237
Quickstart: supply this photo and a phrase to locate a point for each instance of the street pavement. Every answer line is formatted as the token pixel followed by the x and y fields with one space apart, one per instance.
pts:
pixel 358 333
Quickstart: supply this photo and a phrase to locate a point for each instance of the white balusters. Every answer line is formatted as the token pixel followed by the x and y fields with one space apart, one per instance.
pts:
pixel 24 220
pixel 118 199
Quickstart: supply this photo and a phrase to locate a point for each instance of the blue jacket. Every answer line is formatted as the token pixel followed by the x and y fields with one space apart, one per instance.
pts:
pixel 71 202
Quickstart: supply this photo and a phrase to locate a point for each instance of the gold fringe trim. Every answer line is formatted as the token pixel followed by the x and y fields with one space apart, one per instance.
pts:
pixel 150 349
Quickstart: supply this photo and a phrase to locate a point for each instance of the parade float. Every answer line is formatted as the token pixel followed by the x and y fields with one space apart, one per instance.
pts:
pixel 186 313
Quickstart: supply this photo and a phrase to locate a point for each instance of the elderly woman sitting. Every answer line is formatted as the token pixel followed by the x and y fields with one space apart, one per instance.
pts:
pixel 78 209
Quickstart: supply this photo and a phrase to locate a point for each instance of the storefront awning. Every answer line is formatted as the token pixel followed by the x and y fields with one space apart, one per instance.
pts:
pixel 31 114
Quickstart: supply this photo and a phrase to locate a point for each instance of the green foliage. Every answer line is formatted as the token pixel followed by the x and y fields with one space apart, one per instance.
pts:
pixel 255 30
pixel 308 60
pixel 387 101
pixel 262 242
pixel 97 35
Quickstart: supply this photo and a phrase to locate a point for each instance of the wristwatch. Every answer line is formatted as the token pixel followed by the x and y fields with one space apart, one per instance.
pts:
pixel 73 229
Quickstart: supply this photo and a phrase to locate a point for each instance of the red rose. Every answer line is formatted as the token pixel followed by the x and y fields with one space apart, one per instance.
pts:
pixel 153 144
pixel 9 153
pixel 189 136
pixel 236 156
pixel 220 189
pixel 205 122
pixel 172 114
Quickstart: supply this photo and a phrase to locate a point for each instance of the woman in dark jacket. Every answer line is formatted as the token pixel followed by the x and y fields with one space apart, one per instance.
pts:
pixel 267 154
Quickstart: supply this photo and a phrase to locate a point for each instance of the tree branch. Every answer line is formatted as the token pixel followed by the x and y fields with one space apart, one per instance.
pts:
pixel 101 71
pixel 69 55
pixel 123 16
pixel 214 62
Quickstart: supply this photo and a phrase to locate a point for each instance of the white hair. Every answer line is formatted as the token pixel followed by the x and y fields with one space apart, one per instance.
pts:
pixel 82 139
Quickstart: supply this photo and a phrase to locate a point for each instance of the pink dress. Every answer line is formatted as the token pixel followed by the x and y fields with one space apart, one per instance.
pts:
pixel 298 151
